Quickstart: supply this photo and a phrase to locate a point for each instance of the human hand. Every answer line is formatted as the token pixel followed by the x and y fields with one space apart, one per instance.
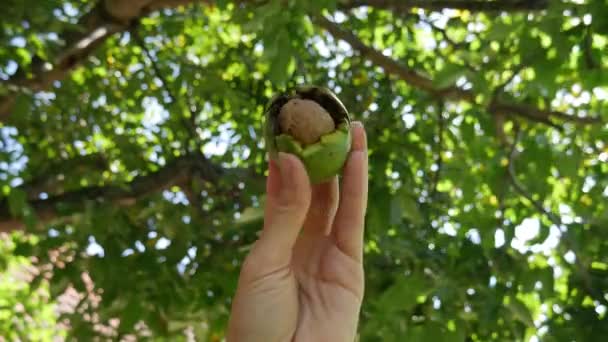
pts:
pixel 303 279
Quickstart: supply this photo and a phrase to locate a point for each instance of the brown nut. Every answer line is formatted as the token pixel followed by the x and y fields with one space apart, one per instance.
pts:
pixel 305 120
pixel 329 138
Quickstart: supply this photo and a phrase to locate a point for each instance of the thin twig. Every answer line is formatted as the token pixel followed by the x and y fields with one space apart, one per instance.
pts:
pixel 444 34
pixel 455 45
pixel 514 72
pixel 438 5
pixel 422 82
pixel 588 49
pixel 165 84
pixel 521 189
pixel 555 219
pixel 154 65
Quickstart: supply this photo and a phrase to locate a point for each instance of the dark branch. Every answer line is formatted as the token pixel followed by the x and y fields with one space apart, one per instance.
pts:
pixel 444 33
pixel 521 189
pixel 452 43
pixel 454 93
pixel 177 172
pixel 514 72
pixel 438 5
pixel 590 61
pixel 405 73
pixel 104 20
pixel 51 177
pixel 188 126
pixel 97 26
pixel 110 16
pixel 165 84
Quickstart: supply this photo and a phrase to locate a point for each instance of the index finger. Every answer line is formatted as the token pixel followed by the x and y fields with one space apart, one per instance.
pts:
pixel 350 219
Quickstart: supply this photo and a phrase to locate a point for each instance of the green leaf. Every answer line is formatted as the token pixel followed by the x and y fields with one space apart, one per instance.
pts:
pixel 410 208
pixel 521 312
pixel 499 31
pixel 548 280
pixel 22 106
pixel 280 58
pixel 433 331
pixel 404 293
pixel 448 76
pixel 180 170
pixel 17 202
pixel 252 214
pixel 396 210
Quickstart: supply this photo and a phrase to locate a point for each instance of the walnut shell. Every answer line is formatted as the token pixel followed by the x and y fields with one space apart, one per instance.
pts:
pixel 311 123
pixel 305 120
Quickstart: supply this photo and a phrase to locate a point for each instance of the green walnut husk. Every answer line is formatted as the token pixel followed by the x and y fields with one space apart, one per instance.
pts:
pixel 323 159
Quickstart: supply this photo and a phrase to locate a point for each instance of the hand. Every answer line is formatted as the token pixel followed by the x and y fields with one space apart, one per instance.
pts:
pixel 303 279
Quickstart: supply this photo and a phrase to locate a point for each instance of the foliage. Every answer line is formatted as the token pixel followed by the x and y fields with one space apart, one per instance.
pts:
pixel 138 159
pixel 25 310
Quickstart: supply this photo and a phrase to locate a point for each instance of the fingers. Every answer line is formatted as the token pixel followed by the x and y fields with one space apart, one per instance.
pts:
pixel 322 209
pixel 350 217
pixel 288 199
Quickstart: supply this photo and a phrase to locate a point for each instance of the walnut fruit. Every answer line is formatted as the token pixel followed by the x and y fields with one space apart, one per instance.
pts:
pixel 313 124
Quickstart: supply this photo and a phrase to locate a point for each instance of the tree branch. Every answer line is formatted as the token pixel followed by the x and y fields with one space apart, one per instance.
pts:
pixel 188 126
pixel 112 16
pixel 425 83
pixel 405 73
pixel 105 19
pixel 165 84
pixel 582 269
pixel 521 189
pixel 50 177
pixel 588 49
pixel 438 5
pixel 177 172
pixel 444 33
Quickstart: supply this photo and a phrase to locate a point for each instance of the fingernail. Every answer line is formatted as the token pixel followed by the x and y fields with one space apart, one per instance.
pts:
pixel 358 124
pixel 359 138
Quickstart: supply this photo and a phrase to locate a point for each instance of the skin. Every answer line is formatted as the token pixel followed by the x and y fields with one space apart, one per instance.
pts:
pixel 303 280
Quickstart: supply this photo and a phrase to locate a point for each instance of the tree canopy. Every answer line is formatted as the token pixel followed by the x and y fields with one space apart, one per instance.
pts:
pixel 132 161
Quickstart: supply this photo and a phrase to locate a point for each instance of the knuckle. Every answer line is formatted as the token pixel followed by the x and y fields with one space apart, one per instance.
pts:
pixel 292 201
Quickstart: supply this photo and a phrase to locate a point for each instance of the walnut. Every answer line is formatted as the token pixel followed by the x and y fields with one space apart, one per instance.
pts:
pixel 305 120
pixel 295 122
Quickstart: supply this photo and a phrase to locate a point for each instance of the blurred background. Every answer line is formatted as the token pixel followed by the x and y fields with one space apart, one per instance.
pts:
pixel 132 162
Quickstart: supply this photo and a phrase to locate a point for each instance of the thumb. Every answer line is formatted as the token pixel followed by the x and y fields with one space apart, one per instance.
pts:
pixel 288 194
